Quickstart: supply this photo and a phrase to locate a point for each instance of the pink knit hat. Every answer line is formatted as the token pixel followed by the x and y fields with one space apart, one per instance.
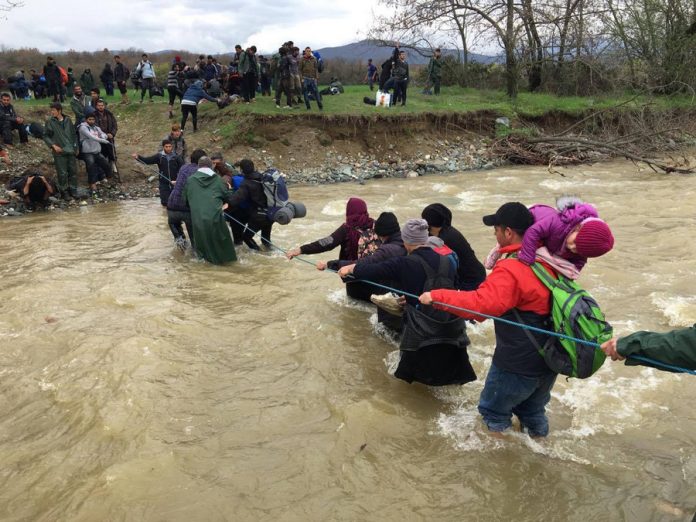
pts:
pixel 594 238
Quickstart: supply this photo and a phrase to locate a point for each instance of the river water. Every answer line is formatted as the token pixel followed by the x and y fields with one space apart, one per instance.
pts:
pixel 140 384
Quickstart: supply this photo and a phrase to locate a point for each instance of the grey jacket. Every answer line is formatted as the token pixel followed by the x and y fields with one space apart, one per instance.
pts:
pixel 91 138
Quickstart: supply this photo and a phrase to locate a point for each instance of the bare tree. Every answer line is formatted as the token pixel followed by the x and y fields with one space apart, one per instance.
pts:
pixel 8 5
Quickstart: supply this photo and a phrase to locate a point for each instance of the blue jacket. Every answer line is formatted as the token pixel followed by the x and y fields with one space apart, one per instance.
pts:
pixel 195 93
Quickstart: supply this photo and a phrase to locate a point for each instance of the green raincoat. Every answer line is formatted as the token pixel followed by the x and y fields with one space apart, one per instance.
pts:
pixel 677 348
pixel 205 193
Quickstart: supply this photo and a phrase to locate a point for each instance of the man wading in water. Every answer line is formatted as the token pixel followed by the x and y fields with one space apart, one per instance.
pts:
pixel 519 381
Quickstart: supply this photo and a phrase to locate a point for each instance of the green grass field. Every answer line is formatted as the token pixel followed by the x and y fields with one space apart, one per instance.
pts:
pixel 452 99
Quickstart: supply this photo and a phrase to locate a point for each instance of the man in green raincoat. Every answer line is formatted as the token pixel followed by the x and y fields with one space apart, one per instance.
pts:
pixel 675 348
pixel 205 192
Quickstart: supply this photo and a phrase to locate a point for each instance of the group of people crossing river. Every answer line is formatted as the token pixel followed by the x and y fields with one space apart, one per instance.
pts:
pixel 427 283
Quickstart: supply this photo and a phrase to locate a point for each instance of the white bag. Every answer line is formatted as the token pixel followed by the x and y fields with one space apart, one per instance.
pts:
pixel 383 99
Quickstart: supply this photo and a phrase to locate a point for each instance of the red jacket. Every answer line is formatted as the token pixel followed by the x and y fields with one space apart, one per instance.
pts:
pixel 511 284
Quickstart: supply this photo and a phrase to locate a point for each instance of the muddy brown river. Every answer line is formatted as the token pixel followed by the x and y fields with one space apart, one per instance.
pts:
pixel 139 384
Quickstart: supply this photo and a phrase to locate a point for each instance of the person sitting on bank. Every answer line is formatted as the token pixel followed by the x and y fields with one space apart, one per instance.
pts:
pixel 433 343
pixel 169 165
pixel 34 188
pixel 205 194
pixel 10 120
pixel 91 140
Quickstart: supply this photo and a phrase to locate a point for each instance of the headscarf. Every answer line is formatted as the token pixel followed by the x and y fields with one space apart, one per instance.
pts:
pixel 437 215
pixel 357 219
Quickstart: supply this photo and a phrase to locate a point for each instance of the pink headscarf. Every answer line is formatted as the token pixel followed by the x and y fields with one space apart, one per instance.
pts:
pixel 357 219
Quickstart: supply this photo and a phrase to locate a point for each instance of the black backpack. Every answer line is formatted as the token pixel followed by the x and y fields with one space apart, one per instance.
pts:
pixel 427 326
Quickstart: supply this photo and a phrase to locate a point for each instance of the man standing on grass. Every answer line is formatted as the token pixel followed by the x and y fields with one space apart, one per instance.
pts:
pixel 121 75
pixel 371 75
pixel 147 74
pixel 400 77
pixel 61 137
pixel 309 68
pixel 435 72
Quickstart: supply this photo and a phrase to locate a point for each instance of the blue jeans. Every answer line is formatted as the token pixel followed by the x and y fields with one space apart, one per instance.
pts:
pixel 310 86
pixel 506 393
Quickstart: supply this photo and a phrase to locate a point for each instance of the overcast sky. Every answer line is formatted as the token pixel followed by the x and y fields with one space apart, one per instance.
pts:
pixel 195 25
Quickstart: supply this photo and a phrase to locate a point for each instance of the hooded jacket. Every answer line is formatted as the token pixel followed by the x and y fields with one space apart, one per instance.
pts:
pixel 195 94
pixel 91 138
pixel 205 193
pixel 471 272
pixel 250 191
pixel 61 133
pixel 551 227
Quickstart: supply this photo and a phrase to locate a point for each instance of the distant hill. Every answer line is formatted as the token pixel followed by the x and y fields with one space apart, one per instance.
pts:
pixel 367 49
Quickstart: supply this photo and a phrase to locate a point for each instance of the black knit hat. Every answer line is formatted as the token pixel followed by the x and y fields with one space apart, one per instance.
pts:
pixel 437 215
pixel 386 224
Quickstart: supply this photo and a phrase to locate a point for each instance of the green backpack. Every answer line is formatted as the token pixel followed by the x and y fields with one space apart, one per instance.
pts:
pixel 574 313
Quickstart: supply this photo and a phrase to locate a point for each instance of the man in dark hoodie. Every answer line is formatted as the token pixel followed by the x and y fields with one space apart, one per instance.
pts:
pixel 205 193
pixel 169 164
pixel 471 272
pixel 251 192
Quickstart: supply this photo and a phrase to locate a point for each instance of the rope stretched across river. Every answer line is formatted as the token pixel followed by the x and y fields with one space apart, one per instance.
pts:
pixel 559 335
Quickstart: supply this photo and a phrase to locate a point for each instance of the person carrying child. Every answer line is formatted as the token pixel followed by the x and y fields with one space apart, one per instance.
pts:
pixel 565 237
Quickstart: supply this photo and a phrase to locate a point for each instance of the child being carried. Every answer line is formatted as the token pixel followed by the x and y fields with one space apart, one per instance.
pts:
pixel 570 234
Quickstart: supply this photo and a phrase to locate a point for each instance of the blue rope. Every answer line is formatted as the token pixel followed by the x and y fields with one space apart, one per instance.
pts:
pixel 649 361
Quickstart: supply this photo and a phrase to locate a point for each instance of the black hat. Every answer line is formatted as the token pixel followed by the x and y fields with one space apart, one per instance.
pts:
pixel 386 224
pixel 437 215
pixel 513 215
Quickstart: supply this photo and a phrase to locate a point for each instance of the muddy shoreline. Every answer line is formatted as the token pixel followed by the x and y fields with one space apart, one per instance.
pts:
pixel 309 149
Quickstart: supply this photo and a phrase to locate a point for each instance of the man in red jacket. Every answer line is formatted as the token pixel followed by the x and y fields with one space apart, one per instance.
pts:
pixel 518 382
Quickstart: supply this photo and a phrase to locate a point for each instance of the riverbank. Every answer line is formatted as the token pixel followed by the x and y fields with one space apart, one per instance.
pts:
pixel 349 141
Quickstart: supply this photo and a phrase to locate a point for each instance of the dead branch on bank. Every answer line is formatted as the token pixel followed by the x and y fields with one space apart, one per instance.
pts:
pixel 603 134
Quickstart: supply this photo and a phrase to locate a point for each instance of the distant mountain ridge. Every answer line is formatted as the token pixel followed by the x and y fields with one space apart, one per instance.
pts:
pixel 368 49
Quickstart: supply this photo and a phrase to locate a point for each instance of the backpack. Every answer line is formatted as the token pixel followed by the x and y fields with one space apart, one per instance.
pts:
pixel 275 190
pixel 368 242
pixel 63 75
pixel 320 61
pixel 427 326
pixel 574 313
